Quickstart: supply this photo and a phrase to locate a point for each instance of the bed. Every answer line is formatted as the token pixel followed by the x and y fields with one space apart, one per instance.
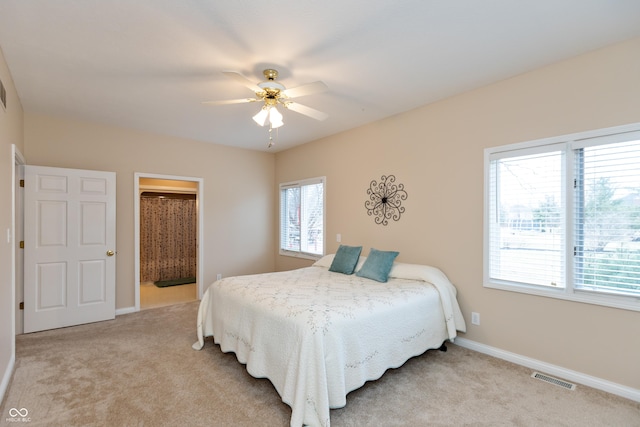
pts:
pixel 317 334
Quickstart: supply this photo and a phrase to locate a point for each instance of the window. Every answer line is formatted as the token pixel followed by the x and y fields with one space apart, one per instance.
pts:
pixel 562 217
pixel 302 218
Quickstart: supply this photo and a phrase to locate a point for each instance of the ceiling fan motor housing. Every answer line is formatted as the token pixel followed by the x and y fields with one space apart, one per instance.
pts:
pixel 271 88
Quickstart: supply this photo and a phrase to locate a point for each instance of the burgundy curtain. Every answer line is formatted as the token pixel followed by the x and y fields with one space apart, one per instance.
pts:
pixel 168 234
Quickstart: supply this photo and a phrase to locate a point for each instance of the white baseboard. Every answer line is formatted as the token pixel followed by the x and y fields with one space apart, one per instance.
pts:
pixel 125 310
pixel 6 378
pixel 547 368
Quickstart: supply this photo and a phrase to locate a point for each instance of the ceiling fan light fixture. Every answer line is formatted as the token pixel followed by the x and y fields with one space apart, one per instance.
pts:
pixel 261 117
pixel 275 118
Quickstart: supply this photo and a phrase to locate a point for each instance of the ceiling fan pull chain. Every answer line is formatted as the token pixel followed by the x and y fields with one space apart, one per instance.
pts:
pixel 270 136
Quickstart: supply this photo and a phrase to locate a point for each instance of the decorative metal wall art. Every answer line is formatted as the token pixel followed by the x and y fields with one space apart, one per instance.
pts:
pixel 385 199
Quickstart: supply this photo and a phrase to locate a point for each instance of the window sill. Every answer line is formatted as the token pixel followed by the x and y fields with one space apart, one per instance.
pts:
pixel 622 302
pixel 300 255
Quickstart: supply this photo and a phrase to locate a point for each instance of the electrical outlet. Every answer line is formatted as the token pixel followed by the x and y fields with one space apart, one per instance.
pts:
pixel 338 237
pixel 218 276
pixel 475 318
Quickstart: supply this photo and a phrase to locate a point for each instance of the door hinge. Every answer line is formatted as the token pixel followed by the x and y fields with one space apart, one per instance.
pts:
pixel 22 305
pixel 22 183
pixel 21 244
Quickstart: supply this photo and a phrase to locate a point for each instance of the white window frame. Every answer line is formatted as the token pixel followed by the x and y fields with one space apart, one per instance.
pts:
pixel 301 183
pixel 567 144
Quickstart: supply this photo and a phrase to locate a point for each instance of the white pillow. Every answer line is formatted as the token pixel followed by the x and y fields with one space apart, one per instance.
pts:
pixel 360 263
pixel 325 261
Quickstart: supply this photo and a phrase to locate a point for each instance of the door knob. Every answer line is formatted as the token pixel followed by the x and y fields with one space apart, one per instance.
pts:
pixel 110 253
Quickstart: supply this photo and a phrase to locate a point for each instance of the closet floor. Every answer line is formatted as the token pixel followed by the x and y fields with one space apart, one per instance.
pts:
pixel 152 296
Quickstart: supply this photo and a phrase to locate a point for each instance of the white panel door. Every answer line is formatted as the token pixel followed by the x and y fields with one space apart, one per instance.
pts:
pixel 70 236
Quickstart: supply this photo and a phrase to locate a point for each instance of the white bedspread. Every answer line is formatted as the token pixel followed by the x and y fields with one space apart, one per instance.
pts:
pixel 317 335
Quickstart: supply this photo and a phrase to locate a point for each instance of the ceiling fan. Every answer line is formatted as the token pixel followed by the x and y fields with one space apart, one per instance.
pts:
pixel 272 94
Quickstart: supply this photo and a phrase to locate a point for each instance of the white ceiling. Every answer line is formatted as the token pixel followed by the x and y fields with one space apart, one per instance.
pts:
pixel 148 64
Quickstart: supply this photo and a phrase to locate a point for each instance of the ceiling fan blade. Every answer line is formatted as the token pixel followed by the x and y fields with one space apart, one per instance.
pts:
pixel 308 89
pixel 242 80
pixel 307 111
pixel 230 101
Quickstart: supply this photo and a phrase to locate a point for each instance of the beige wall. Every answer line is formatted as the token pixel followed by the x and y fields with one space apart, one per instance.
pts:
pixel 10 133
pixel 238 189
pixel 437 152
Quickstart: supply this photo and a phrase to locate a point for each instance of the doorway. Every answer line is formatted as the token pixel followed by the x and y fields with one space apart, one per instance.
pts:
pixel 168 231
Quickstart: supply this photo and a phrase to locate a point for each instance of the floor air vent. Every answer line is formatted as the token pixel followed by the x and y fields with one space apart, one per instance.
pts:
pixel 554 381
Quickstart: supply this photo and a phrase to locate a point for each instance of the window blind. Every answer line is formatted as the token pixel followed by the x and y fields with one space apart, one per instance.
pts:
pixel 527 226
pixel 302 217
pixel 607 217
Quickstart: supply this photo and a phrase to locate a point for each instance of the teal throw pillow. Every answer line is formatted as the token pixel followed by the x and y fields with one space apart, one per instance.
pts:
pixel 346 259
pixel 378 265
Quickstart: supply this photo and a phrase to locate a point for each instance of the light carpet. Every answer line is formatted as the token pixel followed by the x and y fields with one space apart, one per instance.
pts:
pixel 140 370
